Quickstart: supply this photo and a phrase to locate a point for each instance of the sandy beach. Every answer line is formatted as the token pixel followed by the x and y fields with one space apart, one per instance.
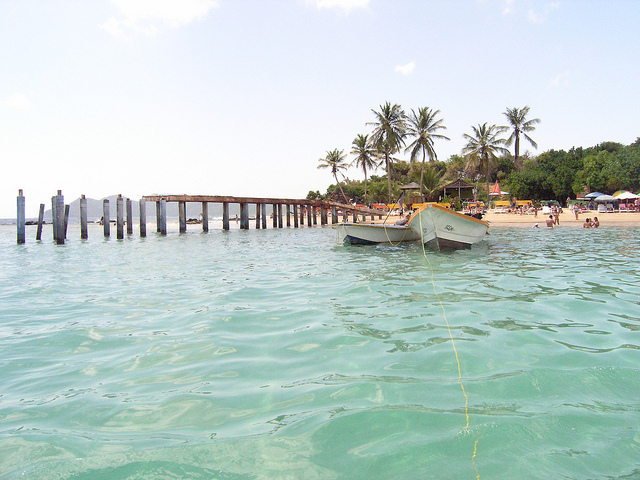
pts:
pixel 567 219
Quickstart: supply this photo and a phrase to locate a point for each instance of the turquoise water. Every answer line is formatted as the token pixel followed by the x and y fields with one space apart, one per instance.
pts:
pixel 280 354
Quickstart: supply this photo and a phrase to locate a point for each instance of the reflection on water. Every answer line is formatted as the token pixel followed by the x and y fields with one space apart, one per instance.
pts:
pixel 281 354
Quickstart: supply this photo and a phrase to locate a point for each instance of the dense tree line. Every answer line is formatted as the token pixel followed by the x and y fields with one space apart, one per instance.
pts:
pixel 552 175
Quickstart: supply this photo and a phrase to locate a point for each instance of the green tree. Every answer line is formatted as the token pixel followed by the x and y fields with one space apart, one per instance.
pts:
pixel 423 126
pixel 482 147
pixel 365 155
pixel 335 160
pixel 388 134
pixel 517 118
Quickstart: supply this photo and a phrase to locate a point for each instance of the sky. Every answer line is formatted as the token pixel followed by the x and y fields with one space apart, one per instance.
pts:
pixel 243 97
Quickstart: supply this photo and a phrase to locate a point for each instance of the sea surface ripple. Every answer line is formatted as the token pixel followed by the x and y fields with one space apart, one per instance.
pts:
pixel 280 354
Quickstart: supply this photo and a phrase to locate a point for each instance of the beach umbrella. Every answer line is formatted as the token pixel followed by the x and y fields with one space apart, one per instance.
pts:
pixel 626 196
pixel 593 195
pixel 605 198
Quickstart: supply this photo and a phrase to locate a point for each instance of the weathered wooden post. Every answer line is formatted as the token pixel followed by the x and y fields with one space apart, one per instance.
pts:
pixel 66 221
pixel 323 215
pixel 158 222
pixel 105 218
pixel 60 223
pixel 205 216
pixel 244 216
pixel 143 217
pixel 40 222
pixel 182 216
pixel 257 216
pixel 84 232
pixel 129 217
pixel 334 215
pixel 274 215
pixel 309 221
pixel 225 215
pixel 119 217
pixel 279 215
pixel 315 215
pixel 295 216
pixel 54 208
pixel 288 215
pixel 163 217
pixel 20 219
pixel 302 215
pixel 263 206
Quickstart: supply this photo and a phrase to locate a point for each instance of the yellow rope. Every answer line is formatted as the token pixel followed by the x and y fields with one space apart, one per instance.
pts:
pixel 453 344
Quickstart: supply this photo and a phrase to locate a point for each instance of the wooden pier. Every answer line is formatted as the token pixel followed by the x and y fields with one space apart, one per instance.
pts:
pixel 295 209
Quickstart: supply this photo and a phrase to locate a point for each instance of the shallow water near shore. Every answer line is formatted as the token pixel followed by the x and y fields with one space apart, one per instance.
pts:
pixel 280 354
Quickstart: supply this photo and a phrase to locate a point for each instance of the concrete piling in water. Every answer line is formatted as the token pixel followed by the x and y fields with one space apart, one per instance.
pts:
pixel 84 232
pixel 309 221
pixel 20 219
pixel 244 216
pixel 295 216
pixel 182 216
pixel 288 215
pixel 279 215
pixel 302 215
pixel 225 215
pixel 158 216
pixel 120 217
pixel 40 222
pixel 314 214
pixel 66 221
pixel 129 216
pixel 263 207
pixel 59 223
pixel 274 215
pixel 143 217
pixel 163 217
pixel 205 216
pixel 105 218
pixel 334 215
pixel 323 215
pixel 257 216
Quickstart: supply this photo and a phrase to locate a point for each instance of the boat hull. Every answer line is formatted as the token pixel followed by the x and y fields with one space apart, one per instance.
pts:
pixel 371 234
pixel 444 229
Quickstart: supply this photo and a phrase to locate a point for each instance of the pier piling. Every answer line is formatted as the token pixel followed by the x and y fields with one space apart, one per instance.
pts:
pixel 263 207
pixel 84 232
pixel 205 216
pixel 105 218
pixel 129 216
pixel 295 216
pixel 225 215
pixel 20 220
pixel 163 217
pixel 120 217
pixel 143 217
pixel 40 222
pixel 182 216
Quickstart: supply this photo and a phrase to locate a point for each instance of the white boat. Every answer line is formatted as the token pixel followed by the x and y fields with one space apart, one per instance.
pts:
pixel 367 234
pixel 444 229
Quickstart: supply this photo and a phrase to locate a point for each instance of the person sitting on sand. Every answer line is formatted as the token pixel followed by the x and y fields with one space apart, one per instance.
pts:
pixel 587 223
pixel 404 220
pixel 595 223
pixel 550 221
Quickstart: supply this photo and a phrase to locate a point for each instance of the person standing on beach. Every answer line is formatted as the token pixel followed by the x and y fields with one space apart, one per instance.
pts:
pixel 556 215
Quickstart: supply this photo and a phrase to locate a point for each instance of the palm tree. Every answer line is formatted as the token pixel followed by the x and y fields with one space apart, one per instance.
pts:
pixel 423 127
pixel 388 134
pixel 365 157
pixel 335 160
pixel 482 146
pixel 517 118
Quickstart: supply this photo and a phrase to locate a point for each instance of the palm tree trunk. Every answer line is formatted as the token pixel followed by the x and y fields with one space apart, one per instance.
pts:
pixel 386 157
pixel 365 185
pixel 422 177
pixel 340 187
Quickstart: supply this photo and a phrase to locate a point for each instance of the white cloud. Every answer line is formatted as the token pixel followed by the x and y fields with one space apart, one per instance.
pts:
pixel 539 18
pixel 148 16
pixel 346 5
pixel 17 101
pixel 561 80
pixel 406 69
